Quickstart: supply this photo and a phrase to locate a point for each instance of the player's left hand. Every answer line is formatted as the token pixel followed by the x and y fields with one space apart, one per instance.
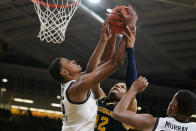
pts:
pixel 140 84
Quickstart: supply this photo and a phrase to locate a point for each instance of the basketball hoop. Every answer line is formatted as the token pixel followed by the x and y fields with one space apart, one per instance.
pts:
pixel 54 16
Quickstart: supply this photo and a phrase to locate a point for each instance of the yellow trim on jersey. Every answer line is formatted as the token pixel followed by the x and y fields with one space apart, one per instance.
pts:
pixel 105 111
pixel 101 97
pixel 110 104
pixel 127 127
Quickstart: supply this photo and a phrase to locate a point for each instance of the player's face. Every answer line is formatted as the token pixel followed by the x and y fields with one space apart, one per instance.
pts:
pixel 118 90
pixel 70 65
pixel 172 107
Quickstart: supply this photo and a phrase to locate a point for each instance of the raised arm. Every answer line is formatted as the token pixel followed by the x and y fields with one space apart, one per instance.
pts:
pixel 95 57
pixel 109 49
pixel 131 72
pixel 122 114
pixel 107 55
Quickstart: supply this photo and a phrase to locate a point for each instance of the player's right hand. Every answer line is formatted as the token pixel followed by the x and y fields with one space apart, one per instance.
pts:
pixel 106 33
pixel 130 35
pixel 131 18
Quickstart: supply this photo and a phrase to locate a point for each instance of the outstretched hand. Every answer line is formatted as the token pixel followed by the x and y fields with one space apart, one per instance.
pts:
pixel 140 84
pixel 106 33
pixel 131 18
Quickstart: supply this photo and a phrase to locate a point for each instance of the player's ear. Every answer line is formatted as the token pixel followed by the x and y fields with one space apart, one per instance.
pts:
pixel 176 104
pixel 63 72
pixel 174 107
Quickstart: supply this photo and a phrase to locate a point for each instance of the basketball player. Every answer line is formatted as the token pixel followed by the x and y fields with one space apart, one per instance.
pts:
pixel 78 104
pixel 179 111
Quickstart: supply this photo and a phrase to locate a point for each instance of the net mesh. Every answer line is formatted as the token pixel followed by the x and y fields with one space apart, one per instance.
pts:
pixel 54 18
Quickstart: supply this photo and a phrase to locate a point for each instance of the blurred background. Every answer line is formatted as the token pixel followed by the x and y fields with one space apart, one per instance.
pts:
pixel 165 54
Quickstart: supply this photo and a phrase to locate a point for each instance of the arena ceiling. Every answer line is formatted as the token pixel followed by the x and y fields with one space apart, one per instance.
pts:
pixel 165 45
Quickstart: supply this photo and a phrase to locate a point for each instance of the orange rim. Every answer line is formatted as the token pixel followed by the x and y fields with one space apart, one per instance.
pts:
pixel 54 6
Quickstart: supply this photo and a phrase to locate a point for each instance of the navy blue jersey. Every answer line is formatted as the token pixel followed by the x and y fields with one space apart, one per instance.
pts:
pixel 105 121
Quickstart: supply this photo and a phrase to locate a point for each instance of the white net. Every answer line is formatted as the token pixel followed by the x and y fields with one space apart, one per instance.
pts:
pixel 54 18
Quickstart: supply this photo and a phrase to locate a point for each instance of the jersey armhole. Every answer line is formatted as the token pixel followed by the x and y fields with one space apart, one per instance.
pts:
pixel 101 98
pixel 72 102
pixel 156 124
pixel 127 127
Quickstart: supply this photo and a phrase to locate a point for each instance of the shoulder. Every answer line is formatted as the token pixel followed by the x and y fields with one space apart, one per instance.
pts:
pixel 102 100
pixel 194 124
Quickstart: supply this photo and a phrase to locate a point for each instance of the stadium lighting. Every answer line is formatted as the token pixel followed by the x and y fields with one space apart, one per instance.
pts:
pixel 139 108
pixel 36 109
pixel 55 105
pixel 32 109
pixel 194 116
pixel 23 100
pixel 5 80
pixel 18 100
pixel 41 110
pixel 28 101
pixel 109 10
pixel 3 90
pixel 14 106
pixel 23 108
pixel 19 107
pixel 94 1
pixel 96 16
pixel 58 97
pixel 58 112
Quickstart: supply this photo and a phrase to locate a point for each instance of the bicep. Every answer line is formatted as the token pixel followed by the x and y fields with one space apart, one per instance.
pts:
pixel 91 80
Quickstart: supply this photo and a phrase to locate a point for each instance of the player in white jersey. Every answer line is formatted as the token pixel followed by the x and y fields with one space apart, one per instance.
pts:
pixel 78 104
pixel 180 109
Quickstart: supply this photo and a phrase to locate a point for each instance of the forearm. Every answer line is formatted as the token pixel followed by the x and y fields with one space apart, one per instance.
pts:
pixel 106 69
pixel 121 111
pixel 125 101
pixel 95 57
pixel 119 54
pixel 109 49
pixel 139 121
pixel 98 92
pixel 131 72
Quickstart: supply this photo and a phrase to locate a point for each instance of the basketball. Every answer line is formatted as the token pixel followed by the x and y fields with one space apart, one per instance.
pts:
pixel 116 20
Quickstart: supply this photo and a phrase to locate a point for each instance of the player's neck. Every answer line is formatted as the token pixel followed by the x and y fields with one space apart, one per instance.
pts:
pixel 76 76
pixel 110 100
pixel 73 77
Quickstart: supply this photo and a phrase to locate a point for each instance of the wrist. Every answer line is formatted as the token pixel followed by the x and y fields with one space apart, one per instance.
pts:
pixel 103 39
pixel 130 49
pixel 131 46
pixel 133 90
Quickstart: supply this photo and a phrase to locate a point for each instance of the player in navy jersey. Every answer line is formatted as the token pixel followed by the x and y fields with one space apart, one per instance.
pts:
pixel 105 120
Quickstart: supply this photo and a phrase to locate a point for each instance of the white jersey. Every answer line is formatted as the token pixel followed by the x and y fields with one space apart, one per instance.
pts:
pixel 78 116
pixel 171 124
